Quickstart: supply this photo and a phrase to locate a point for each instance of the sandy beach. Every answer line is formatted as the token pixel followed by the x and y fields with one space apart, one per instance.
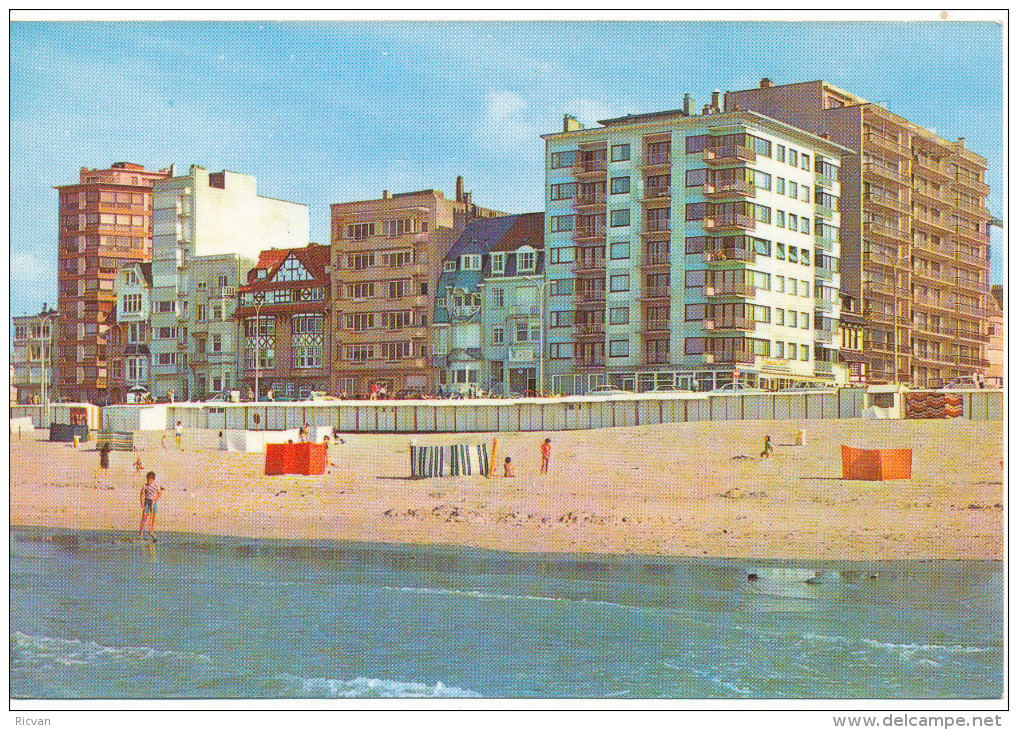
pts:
pixel 697 489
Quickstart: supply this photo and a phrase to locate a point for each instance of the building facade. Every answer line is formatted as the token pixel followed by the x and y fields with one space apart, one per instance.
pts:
pixel 283 315
pixel 33 356
pixel 208 231
pixel 994 374
pixel 129 333
pixel 915 237
pixel 701 249
pixel 105 223
pixel 387 254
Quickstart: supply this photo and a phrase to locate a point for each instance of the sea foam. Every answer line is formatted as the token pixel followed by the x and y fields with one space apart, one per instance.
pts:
pixel 35 650
pixel 293 685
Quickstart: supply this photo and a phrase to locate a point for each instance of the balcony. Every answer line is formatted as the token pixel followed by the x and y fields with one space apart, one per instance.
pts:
pixel 823 337
pixel 590 168
pixel 588 266
pixel 876 317
pixel 653 326
pixel 931 168
pixel 887 145
pixel 737 222
pixel 656 292
pixel 589 362
pixel 729 255
pixel 729 290
pixel 972 285
pixel 943 250
pixel 656 260
pixel 938 225
pixel 972 185
pixel 971 260
pixel 588 329
pixel 886 174
pixel 931 199
pixel 728 324
pixel 657 358
pixel 654 193
pixel 588 233
pixel 880 287
pixel 886 232
pixel 968 310
pixel 587 299
pixel 728 155
pixel 825 211
pixel 882 259
pixel 939 305
pixel 976 362
pixel 408 363
pixel 925 329
pixel 822 367
pixel 657 229
pixel 731 357
pixel 824 181
pixel 888 202
pixel 583 202
pixel 969 234
pixel 978 211
pixel 934 277
pixel 657 160
pixel 971 336
pixel 733 189
pixel 822 272
pixel 824 243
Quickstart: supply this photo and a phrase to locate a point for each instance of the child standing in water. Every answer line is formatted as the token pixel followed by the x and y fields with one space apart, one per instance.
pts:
pixel 148 497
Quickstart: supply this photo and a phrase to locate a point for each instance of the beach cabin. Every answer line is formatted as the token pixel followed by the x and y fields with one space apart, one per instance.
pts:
pixel 884 401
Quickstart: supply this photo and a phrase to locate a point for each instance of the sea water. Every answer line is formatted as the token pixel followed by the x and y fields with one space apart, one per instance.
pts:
pixel 96 616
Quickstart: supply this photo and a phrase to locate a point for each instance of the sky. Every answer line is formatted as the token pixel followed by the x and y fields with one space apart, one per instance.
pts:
pixel 326 112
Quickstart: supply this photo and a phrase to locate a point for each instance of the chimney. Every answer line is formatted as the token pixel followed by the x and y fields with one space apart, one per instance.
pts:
pixel 688 105
pixel 385 195
pixel 715 99
pixel 459 188
pixel 766 83
pixel 570 123
pixel 961 142
pixel 173 169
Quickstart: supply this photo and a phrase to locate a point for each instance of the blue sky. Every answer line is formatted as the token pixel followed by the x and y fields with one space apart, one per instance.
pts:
pixel 327 112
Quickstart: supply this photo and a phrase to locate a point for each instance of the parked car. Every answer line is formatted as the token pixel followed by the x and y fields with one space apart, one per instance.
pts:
pixel 804 387
pixel 737 388
pixel 608 390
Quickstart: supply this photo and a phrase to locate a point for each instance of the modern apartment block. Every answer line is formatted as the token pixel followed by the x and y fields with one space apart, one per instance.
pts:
pixel 994 373
pixel 283 311
pixel 129 333
pixel 386 258
pixel 208 232
pixel 915 241
pixel 701 250
pixel 105 223
pixel 487 321
pixel 33 356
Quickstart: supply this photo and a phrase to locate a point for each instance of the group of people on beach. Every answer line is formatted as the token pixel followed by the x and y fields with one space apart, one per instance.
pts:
pixel 507 465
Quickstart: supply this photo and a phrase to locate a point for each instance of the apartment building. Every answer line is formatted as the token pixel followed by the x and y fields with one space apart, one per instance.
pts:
pixel 915 230
pixel 129 332
pixel 486 326
pixel 701 249
pixel 105 223
pixel 209 229
pixel 387 255
pixel 283 311
pixel 994 373
pixel 33 356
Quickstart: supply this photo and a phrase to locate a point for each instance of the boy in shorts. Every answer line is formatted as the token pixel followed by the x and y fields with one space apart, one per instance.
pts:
pixel 148 497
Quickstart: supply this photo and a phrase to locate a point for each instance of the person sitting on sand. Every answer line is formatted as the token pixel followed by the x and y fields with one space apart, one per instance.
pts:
pixel 507 468
pixel 150 494
pixel 767 449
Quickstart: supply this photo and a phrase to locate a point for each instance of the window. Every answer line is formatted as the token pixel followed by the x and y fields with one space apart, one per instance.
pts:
pixel 779 350
pixel 804 256
pixel 618 282
pixel 618 348
pixel 561 350
pixel 167 333
pixel 522 330
pixel 793 222
pixel 562 159
pixel 620 217
pixel 793 158
pixel 562 223
pixel 166 306
pixel 618 315
pixel 695 277
pixel 694 345
pixel 620 152
pixel 399 288
pixel 779 185
pixel 761 247
pixel 695 211
pixel 804 223
pixel 497 336
pixel 779 251
pixel 498 263
pixel 498 297
pixel 217 342
pixel 804 288
pixel 793 255
pixel 805 166
pixel 695 178
pixel 761 180
pixel 695 143
pixel 167 358
pixel 449 266
pixel 804 349
pixel 696 244
pixel 562 318
pixel 793 189
pixel 361 290
pixel 779 317
pixel 525 260
pixel 620 185
pixel 132 302
pixel 563 191
pixel 780 285
pixel 563 255
pixel 360 231
pixel 779 218
pixel 805 193
pixel 695 312
pixel 619 250
pixel 560 287
pixel 470 262
pixel 803 321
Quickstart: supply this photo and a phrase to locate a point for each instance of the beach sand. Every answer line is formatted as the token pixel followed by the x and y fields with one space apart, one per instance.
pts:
pixel 696 489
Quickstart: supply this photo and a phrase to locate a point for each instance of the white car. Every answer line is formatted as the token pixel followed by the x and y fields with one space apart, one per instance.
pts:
pixel 607 390
pixel 737 388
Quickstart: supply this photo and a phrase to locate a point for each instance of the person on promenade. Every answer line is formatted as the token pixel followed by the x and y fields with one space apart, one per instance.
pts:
pixel 768 449
pixel 148 497
pixel 545 455
pixel 178 433
pixel 507 468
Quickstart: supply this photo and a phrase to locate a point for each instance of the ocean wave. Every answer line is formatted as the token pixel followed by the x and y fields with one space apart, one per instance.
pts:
pixel 293 685
pixel 511 597
pixel 903 651
pixel 35 650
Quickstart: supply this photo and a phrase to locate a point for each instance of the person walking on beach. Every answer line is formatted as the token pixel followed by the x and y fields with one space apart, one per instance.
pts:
pixel 104 459
pixel 507 468
pixel 767 449
pixel 148 497
pixel 545 455
pixel 178 433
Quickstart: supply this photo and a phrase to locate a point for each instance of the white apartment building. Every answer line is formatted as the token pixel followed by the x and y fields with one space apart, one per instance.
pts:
pixel 208 229
pixel 33 357
pixel 130 354
pixel 702 249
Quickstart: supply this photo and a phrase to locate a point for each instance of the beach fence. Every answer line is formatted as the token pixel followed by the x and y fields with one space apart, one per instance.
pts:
pixel 875 465
pixel 450 460
pixel 118 441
